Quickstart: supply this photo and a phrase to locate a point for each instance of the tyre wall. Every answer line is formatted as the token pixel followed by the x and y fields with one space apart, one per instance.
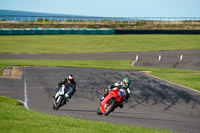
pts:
pixel 120 31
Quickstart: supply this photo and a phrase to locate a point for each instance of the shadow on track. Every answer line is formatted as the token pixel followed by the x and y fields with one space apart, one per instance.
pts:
pixel 155 93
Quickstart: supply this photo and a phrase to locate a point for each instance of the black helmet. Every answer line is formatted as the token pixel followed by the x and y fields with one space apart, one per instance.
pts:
pixel 70 78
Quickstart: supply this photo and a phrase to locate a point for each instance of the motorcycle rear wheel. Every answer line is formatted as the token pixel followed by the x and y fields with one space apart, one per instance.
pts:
pixel 54 106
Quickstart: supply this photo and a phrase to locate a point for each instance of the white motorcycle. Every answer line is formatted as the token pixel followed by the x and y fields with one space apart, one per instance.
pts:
pixel 61 96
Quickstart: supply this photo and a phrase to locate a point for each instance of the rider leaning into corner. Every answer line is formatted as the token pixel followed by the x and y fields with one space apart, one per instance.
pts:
pixel 67 81
pixel 121 85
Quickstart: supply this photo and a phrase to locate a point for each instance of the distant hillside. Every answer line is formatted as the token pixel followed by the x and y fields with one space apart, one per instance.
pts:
pixel 27 13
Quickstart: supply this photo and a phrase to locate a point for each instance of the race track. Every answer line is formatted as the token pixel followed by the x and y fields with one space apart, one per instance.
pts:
pixel 169 59
pixel 154 103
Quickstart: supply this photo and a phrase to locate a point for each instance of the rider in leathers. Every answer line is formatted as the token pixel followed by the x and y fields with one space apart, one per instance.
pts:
pixel 67 81
pixel 121 85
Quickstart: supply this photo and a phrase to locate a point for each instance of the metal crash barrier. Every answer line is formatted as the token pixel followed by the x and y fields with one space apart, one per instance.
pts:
pixel 56 31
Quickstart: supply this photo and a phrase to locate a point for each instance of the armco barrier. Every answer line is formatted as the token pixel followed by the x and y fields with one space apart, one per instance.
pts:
pixel 121 31
pixel 56 31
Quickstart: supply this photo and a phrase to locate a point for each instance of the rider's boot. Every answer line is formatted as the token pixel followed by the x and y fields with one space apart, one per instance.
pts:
pixel 121 105
pixel 67 97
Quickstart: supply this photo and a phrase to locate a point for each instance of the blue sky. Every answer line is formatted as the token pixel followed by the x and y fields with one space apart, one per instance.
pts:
pixel 108 8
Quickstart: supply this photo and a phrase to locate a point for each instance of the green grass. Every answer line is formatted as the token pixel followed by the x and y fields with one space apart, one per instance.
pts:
pixel 14 118
pixel 1 69
pixel 189 78
pixel 125 64
pixel 96 43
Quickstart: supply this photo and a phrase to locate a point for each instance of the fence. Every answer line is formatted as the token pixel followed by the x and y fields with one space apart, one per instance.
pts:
pixel 99 20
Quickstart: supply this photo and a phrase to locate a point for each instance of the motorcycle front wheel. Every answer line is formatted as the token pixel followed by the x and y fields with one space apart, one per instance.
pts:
pixel 98 111
pixel 110 106
pixel 57 102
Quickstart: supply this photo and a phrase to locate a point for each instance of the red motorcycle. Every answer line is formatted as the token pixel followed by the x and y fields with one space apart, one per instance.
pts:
pixel 111 101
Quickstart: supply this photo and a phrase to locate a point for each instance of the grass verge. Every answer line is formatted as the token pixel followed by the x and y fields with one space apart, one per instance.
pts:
pixel 189 78
pixel 1 69
pixel 96 43
pixel 16 119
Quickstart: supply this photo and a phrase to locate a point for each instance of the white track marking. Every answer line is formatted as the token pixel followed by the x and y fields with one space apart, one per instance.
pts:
pixel 25 91
pixel 133 63
pixel 136 59
pixel 22 102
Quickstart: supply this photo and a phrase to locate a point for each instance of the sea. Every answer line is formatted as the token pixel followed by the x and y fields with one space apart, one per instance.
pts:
pixel 12 15
pixel 27 13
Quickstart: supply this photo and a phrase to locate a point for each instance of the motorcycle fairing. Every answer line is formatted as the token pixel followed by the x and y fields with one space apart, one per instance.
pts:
pixel 112 94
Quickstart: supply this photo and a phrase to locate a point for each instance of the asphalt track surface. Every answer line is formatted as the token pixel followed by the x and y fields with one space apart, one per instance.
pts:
pixel 154 103
pixel 169 59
